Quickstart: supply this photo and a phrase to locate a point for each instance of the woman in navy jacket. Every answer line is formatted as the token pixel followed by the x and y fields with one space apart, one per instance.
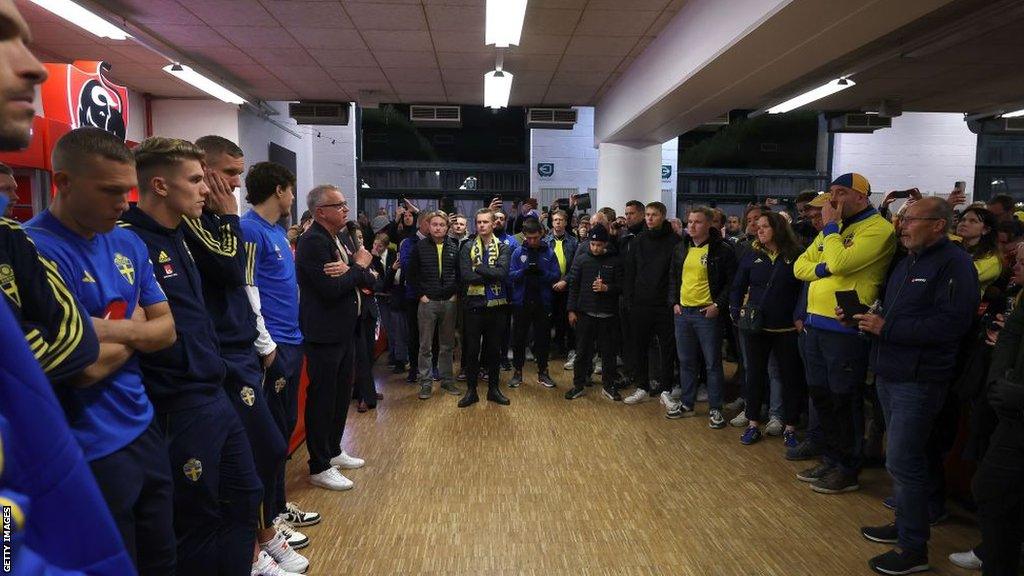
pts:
pixel 765 280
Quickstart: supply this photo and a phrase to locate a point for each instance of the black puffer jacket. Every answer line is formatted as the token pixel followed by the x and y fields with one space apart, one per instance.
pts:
pixel 423 270
pixel 647 266
pixel 585 268
pixel 721 269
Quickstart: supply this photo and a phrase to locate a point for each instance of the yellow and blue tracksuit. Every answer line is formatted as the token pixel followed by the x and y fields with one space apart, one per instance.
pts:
pixel 216 489
pixel 854 256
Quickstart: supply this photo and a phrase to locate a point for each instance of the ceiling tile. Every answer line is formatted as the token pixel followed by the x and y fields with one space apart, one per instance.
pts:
pixel 406 59
pixel 356 74
pixel 463 41
pixel 526 62
pixel 333 57
pixel 550 20
pixel 589 63
pixel 227 56
pixel 532 76
pixel 481 61
pixel 660 23
pixel 472 93
pixel 232 13
pixel 569 95
pixel 264 38
pixel 138 54
pixel 456 18
pixel 633 4
pixel 541 44
pixel 615 22
pixel 641 46
pixel 308 14
pixel 462 75
pixel 186 36
pixel 601 45
pixel 46 34
pixel 297 73
pixel 479 3
pixel 322 92
pixel 368 16
pixel 250 72
pixel 336 38
pixel 157 12
pixel 282 57
pixel 402 77
pixel 401 40
pixel 527 94
pixel 591 79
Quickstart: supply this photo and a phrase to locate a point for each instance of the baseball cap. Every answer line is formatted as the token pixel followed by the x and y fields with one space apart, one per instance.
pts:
pixel 853 181
pixel 820 200
pixel 598 233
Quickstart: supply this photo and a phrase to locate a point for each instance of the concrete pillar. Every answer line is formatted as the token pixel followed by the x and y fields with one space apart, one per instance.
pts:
pixel 627 173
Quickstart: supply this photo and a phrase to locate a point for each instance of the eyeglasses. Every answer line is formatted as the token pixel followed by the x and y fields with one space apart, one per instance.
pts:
pixel 336 205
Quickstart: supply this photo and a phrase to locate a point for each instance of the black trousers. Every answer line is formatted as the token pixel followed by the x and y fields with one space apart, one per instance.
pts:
pixel 565 339
pixel 365 389
pixel 244 389
pixel 136 484
pixel 217 493
pixel 999 493
pixel 649 322
pixel 281 389
pixel 331 373
pixel 627 346
pixel 531 315
pixel 759 348
pixel 604 333
pixel 483 330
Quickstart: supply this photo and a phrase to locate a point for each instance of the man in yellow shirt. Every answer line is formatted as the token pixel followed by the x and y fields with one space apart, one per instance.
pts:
pixel 852 252
pixel 699 281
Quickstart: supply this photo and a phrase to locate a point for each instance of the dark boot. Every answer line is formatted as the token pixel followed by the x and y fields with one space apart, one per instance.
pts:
pixel 469 398
pixel 494 395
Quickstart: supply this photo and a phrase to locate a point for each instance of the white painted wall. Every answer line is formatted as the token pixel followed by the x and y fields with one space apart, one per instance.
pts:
pixel 334 158
pixel 136 116
pixel 255 135
pixel 191 119
pixel 929 151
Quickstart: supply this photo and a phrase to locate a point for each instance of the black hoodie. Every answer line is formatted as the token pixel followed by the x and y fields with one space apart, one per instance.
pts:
pixel 647 266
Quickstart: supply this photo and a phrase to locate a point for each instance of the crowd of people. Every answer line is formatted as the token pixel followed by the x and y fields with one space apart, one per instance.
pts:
pixel 154 349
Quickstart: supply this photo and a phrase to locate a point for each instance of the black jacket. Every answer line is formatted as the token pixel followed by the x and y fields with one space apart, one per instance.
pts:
pixel 189 373
pixel 328 307
pixel 721 268
pixel 423 270
pixel 777 302
pixel 586 267
pixel 482 275
pixel 648 260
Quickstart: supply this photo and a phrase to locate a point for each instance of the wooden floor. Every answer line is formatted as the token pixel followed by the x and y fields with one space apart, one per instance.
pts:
pixel 550 486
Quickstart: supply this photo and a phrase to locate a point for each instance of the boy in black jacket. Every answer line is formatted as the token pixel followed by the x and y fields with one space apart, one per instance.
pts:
pixel 595 283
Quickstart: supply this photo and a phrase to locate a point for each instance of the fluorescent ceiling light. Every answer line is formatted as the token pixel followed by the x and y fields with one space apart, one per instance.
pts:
pixel 80 16
pixel 818 93
pixel 504 22
pixel 1014 114
pixel 186 74
pixel 497 88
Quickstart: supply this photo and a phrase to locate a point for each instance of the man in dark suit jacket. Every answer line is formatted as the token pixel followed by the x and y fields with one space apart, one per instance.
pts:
pixel 329 307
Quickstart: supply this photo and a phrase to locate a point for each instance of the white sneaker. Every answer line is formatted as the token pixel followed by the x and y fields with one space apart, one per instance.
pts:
pixel 672 405
pixel 740 421
pixel 677 392
pixel 346 462
pixel 286 558
pixel 295 538
pixel 265 566
pixel 639 395
pixel 774 427
pixel 737 404
pixel 665 398
pixel 967 560
pixel 331 479
pixel 570 360
pixel 299 517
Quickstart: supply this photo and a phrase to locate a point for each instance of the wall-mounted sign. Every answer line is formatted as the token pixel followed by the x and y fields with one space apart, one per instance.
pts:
pixel 545 169
pixel 666 171
pixel 80 94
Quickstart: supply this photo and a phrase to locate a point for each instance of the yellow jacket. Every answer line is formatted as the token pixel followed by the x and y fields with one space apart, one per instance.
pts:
pixel 855 256
pixel 989 268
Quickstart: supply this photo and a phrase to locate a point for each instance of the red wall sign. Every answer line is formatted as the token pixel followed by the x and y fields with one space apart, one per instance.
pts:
pixel 79 95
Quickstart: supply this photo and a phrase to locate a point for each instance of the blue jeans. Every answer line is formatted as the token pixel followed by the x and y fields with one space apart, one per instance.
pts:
pixel 910 409
pixel 693 330
pixel 836 365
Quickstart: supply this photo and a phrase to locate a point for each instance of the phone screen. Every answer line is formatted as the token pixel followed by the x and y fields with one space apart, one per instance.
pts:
pixel 960 186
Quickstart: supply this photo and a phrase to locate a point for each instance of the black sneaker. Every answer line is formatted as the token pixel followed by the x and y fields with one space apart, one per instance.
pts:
pixel 715 419
pixel 611 394
pixel 835 482
pixel 412 378
pixel 517 380
pixel 680 411
pixel 887 534
pixel 575 393
pixel 506 366
pixel 893 562
pixel 814 473
pixel 805 450
pixel 545 380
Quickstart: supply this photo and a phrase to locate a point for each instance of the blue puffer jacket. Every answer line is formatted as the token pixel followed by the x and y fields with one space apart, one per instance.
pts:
pixel 546 269
pixel 930 302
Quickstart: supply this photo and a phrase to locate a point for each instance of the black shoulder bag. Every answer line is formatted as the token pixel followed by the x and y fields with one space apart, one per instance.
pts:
pixel 751 315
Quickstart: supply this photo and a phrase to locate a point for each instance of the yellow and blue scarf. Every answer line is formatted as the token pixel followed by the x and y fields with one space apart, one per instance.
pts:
pixel 494 293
